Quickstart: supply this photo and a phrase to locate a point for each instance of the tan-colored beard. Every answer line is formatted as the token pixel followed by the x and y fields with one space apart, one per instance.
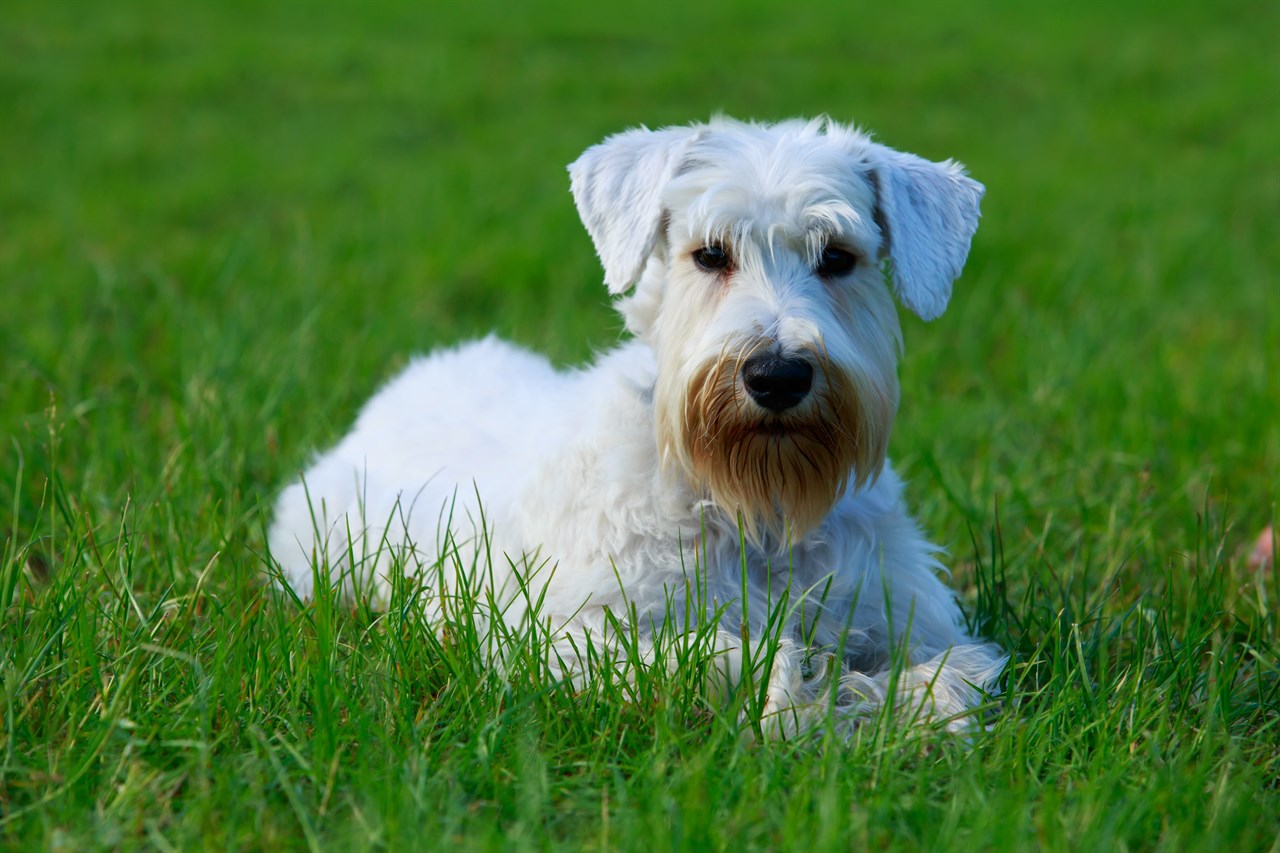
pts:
pixel 781 473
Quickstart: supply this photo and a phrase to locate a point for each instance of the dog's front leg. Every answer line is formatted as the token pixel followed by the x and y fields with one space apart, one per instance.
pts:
pixel 789 691
pixel 952 689
pixel 777 694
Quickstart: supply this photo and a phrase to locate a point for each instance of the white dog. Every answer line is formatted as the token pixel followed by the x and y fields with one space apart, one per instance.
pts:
pixel 733 449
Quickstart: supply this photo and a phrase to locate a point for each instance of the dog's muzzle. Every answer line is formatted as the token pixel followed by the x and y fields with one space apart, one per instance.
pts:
pixel 777 383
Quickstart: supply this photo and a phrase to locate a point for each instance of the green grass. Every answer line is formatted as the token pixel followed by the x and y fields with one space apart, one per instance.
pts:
pixel 222 225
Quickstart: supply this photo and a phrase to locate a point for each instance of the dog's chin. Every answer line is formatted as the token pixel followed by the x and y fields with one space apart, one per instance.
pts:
pixel 779 476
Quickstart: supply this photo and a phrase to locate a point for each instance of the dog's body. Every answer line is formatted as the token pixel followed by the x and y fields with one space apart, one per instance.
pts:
pixel 735 448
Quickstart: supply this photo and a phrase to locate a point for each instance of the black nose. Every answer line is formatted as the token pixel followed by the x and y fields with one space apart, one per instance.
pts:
pixel 777 383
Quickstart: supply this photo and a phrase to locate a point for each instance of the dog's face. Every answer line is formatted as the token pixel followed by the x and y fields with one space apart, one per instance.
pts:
pixel 756 257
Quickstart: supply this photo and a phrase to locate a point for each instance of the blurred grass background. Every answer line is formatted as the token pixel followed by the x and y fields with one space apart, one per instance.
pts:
pixel 223 224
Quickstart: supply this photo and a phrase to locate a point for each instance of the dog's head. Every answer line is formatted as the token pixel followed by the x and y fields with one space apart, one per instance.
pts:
pixel 756 254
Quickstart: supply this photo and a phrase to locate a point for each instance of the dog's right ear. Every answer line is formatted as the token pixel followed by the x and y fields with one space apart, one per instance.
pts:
pixel 618 186
pixel 927 214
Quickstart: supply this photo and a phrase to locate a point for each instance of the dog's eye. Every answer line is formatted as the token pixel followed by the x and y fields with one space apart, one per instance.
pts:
pixel 835 262
pixel 711 258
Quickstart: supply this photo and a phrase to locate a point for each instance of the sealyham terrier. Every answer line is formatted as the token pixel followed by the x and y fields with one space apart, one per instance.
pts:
pixel 722 471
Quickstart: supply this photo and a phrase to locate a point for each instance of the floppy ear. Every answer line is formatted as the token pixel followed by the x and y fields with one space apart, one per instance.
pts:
pixel 617 186
pixel 927 214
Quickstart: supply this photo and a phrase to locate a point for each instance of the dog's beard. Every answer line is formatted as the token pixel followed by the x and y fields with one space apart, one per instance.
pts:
pixel 781 473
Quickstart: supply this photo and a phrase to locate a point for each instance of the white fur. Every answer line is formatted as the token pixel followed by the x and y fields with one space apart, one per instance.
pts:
pixel 588 478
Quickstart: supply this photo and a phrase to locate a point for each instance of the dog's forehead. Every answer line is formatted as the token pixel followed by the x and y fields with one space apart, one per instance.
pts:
pixel 794 179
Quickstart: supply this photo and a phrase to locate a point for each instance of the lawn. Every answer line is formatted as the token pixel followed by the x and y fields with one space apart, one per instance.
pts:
pixel 222 225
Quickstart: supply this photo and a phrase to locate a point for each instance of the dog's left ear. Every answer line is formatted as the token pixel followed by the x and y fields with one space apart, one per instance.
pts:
pixel 617 186
pixel 927 214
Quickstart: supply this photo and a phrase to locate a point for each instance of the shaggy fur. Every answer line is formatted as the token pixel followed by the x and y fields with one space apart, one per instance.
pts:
pixel 656 462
